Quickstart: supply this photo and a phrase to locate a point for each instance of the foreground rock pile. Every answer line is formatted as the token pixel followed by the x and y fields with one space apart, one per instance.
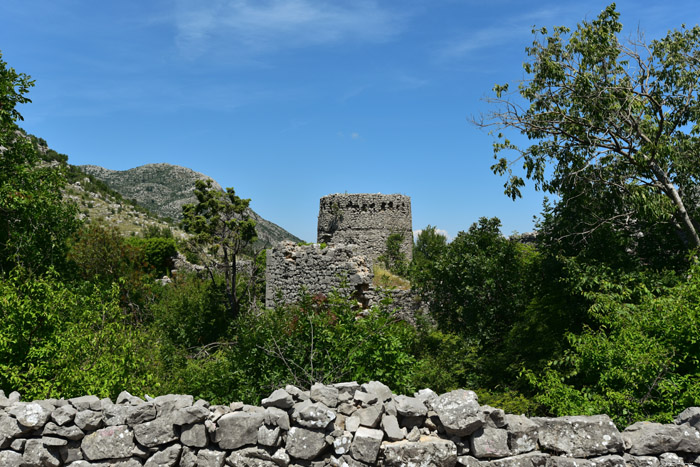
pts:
pixel 339 425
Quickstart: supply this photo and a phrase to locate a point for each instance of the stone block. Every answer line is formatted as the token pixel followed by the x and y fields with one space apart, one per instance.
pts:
pixel 579 436
pixel 238 429
pixel 365 445
pixel 428 451
pixel 108 443
pixel 458 412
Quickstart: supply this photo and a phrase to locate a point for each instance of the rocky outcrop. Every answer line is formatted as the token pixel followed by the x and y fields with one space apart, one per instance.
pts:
pixel 165 188
pixel 338 425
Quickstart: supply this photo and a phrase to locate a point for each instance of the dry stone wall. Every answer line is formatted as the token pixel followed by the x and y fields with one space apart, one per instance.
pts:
pixel 366 220
pixel 292 269
pixel 338 425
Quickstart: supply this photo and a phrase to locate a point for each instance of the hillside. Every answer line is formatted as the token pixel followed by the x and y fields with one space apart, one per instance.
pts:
pixel 164 188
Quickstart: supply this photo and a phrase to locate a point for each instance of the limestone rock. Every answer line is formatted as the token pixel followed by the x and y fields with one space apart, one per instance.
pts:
pixel 210 458
pixel 489 442
pixel 190 415
pixel 327 395
pixel 305 444
pixel 278 417
pixel 580 436
pixel 645 438
pixel 312 415
pixel 369 416
pixel 35 453
pixel 31 415
pixel 167 457
pixel 341 444
pixel 279 398
pixel 64 414
pixel 381 390
pixel 167 404
pixel 365 445
pixel 108 443
pixel 458 412
pixel 390 425
pixel 86 403
pixel 88 420
pixel 640 461
pixel 155 433
pixel 691 416
pixel 563 461
pixel 531 459
pixel 251 457
pixel 238 429
pixel 611 460
pixel 194 435
pixel 268 436
pixel 9 429
pixel 522 434
pixel 410 406
pixel 428 452
pixel 141 413
pixel 10 459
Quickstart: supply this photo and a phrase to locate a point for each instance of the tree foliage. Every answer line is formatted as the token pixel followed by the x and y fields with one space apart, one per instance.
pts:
pixel 35 223
pixel 221 228
pixel 637 358
pixel 615 126
pixel 63 339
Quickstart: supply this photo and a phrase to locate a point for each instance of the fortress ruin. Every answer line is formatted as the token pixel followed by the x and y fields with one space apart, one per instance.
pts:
pixel 366 221
pixel 352 233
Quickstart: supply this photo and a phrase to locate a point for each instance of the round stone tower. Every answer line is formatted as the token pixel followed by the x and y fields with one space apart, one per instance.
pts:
pixel 366 220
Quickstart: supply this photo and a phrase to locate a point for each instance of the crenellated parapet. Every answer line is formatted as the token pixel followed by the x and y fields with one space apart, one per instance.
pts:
pixel 366 220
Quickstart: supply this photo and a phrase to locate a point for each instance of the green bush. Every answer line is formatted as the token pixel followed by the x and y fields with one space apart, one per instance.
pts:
pixel 316 340
pixel 66 340
pixel 636 359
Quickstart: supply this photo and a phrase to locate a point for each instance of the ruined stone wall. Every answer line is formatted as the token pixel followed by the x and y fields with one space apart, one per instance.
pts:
pixel 337 425
pixel 292 268
pixel 366 220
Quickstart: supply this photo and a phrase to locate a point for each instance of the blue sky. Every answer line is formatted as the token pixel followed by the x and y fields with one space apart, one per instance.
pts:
pixel 290 100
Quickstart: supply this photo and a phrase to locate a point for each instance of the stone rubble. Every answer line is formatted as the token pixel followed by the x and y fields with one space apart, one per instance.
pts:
pixel 336 425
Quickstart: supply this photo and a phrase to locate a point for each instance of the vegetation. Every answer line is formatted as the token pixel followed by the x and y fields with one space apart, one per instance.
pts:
pixel 600 314
pixel 220 229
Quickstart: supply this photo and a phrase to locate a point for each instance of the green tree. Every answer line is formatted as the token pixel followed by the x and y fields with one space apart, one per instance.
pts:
pixel 478 288
pixel 636 357
pixel 428 248
pixel 221 228
pixel 35 222
pixel 395 259
pixel 615 125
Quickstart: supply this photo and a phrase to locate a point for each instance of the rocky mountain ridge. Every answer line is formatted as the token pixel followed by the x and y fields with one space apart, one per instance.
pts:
pixel 164 188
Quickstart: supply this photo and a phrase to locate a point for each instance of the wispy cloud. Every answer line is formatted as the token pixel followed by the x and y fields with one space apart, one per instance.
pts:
pixel 509 29
pixel 257 26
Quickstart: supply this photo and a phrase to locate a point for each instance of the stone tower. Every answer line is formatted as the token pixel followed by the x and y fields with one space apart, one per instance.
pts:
pixel 366 220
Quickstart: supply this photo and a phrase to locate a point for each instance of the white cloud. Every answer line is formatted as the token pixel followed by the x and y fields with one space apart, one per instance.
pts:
pixel 442 232
pixel 486 38
pixel 355 135
pixel 255 26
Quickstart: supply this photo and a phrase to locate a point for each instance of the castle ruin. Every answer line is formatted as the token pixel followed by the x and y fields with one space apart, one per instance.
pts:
pixel 366 221
pixel 352 233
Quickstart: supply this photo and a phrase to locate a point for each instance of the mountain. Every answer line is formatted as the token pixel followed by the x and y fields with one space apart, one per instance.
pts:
pixel 164 188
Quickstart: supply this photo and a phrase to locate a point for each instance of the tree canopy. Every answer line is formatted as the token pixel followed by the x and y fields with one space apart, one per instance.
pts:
pixel 611 120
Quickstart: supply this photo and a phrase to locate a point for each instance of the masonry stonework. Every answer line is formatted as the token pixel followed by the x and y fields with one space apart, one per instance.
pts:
pixel 366 220
pixel 292 269
pixel 334 425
